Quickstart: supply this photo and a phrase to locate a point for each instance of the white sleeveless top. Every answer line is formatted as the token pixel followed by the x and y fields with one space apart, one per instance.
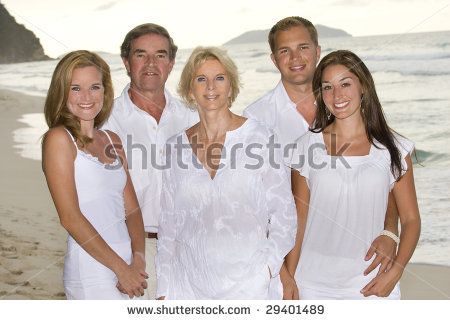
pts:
pixel 347 208
pixel 100 195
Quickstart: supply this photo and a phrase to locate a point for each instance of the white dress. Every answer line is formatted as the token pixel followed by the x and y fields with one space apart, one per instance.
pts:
pixel 215 238
pixel 100 196
pixel 347 209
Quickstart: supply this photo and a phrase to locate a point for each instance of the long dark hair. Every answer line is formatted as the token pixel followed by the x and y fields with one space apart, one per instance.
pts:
pixel 371 110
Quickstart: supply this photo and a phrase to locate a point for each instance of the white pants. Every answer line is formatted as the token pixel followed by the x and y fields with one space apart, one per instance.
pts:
pixel 95 292
pixel 312 294
pixel 150 253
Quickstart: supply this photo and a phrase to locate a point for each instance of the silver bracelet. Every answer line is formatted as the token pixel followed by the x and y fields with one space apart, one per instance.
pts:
pixel 391 235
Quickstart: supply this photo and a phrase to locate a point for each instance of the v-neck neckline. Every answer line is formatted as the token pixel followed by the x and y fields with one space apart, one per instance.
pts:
pixel 228 135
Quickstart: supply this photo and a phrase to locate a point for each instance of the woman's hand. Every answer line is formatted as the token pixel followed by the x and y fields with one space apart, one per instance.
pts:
pixel 385 250
pixel 138 264
pixel 383 284
pixel 290 290
pixel 131 281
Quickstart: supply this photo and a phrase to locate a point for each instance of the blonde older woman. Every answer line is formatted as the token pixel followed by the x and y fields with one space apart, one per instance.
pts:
pixel 228 217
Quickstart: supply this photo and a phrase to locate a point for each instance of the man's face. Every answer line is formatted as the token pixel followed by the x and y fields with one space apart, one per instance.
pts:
pixel 295 55
pixel 148 64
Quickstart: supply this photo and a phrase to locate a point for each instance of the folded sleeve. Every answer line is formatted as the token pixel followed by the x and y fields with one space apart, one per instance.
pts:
pixel 406 147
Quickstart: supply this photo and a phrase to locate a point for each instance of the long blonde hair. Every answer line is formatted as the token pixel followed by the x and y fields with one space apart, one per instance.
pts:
pixel 56 111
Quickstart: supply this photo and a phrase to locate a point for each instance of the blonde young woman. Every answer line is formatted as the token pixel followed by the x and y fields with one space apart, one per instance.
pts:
pixel 228 216
pixel 87 176
pixel 347 165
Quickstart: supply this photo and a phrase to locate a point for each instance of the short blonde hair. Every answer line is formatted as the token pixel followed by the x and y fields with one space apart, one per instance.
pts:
pixel 197 58
pixel 56 111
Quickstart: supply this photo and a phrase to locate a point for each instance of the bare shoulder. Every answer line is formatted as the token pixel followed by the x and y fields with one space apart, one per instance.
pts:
pixel 57 138
pixel 115 138
pixel 117 144
pixel 57 147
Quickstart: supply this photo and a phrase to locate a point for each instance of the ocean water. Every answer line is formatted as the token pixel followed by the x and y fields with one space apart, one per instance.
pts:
pixel 412 75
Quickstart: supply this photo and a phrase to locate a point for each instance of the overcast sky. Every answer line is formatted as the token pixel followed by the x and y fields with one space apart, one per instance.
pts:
pixel 100 25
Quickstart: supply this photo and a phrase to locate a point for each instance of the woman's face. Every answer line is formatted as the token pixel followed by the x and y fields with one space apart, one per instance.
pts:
pixel 211 87
pixel 341 91
pixel 86 93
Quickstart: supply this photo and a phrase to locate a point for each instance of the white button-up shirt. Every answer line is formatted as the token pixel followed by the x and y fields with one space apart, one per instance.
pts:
pixel 144 139
pixel 277 111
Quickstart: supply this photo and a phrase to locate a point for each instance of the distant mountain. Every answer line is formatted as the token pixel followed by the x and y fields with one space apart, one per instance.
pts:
pixel 17 43
pixel 261 35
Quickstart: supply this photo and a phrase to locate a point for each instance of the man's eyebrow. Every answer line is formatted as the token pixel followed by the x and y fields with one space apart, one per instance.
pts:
pixel 300 44
pixel 138 51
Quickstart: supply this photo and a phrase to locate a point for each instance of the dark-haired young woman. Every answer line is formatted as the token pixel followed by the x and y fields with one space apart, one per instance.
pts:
pixel 345 168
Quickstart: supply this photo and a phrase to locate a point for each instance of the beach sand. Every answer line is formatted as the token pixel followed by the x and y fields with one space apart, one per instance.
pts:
pixel 32 242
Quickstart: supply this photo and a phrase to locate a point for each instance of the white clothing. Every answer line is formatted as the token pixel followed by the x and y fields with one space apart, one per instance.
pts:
pixel 150 254
pixel 100 196
pixel 219 237
pixel 277 111
pixel 347 208
pixel 144 139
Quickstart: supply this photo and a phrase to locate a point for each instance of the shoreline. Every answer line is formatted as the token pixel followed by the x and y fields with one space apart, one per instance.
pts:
pixel 33 243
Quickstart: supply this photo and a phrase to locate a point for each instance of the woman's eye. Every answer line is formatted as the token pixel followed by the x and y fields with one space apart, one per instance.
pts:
pixel 96 87
pixel 221 78
pixel 326 87
pixel 75 88
pixel 345 84
pixel 200 79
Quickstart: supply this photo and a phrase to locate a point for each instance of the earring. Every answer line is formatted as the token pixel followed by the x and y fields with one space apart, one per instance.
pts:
pixel 328 113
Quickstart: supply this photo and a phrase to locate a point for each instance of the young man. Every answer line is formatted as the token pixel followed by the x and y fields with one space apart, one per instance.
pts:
pixel 289 110
pixel 145 115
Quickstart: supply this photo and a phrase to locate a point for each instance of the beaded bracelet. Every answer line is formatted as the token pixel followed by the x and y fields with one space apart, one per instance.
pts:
pixel 391 235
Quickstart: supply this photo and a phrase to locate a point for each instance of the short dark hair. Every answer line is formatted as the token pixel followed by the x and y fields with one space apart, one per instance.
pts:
pixel 143 29
pixel 289 22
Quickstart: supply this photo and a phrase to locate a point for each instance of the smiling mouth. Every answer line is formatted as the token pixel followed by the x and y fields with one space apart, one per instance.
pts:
pixel 211 97
pixel 341 105
pixel 297 68
pixel 86 106
pixel 150 73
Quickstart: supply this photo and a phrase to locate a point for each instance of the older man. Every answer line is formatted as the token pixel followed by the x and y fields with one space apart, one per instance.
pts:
pixel 145 115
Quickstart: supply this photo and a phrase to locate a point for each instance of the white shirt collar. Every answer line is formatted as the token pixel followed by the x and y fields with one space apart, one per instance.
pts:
pixel 282 96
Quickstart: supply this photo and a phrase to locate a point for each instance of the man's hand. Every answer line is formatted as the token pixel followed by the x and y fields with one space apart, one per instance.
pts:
pixel 385 249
